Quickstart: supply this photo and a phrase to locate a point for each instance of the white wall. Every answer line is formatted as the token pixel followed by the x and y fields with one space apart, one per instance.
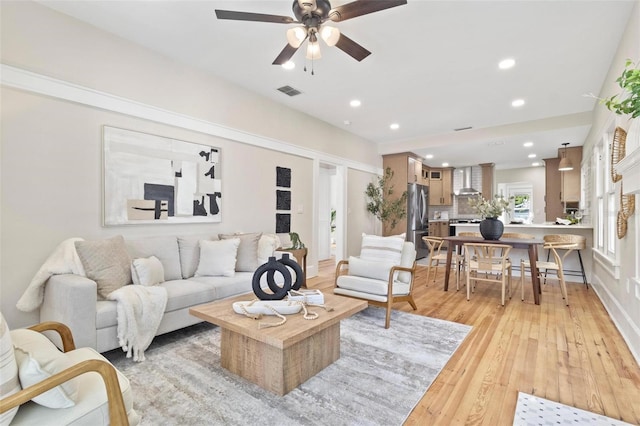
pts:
pixel 51 156
pixel 533 175
pixel 618 283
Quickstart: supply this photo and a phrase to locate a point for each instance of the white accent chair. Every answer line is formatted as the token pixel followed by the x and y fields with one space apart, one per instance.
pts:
pixel 103 398
pixel 381 284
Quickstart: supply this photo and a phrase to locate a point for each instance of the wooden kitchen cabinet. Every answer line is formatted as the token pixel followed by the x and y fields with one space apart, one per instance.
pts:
pixel 406 166
pixel 439 228
pixel 440 187
pixel 414 170
pixel 571 179
pixel 561 187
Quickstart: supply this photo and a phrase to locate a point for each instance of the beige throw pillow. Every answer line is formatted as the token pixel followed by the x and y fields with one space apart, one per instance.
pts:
pixel 106 262
pixel 247 259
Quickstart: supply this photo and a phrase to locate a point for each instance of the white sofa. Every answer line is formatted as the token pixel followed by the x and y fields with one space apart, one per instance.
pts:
pixel 73 300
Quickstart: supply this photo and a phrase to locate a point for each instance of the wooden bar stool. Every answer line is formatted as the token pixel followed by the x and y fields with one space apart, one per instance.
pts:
pixel 580 244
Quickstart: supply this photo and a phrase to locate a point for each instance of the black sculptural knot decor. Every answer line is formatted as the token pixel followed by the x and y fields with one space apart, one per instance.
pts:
pixel 283 266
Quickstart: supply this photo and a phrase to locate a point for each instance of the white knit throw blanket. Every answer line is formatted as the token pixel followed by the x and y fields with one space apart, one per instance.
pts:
pixel 140 309
pixel 63 260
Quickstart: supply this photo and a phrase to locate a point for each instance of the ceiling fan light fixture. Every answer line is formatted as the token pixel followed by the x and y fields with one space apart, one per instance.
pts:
pixel 313 50
pixel 330 35
pixel 295 36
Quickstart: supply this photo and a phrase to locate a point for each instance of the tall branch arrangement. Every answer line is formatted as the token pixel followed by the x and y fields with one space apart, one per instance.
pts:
pixel 382 203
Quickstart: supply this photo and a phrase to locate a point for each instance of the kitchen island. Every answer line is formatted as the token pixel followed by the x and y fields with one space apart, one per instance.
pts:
pixel 539 230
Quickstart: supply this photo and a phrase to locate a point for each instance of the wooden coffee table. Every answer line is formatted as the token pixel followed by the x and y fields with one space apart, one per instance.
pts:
pixel 278 358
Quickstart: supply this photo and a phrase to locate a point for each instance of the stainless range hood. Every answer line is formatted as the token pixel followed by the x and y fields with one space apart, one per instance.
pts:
pixel 467 189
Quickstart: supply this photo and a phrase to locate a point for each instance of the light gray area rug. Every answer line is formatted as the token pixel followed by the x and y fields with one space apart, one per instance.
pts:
pixel 380 376
pixel 535 411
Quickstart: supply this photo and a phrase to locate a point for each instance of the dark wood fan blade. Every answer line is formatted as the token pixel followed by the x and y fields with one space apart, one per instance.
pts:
pixel 352 48
pixel 362 7
pixel 285 55
pixel 257 17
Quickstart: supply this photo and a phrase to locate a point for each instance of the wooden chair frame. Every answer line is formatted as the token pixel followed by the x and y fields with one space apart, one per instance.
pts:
pixel 556 265
pixel 434 244
pixel 391 299
pixel 490 260
pixel 117 411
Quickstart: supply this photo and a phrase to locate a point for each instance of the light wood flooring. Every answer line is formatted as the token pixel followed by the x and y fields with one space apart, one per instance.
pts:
pixel 573 355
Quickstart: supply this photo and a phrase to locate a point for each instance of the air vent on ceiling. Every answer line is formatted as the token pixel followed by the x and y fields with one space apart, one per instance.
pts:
pixel 462 128
pixel 288 90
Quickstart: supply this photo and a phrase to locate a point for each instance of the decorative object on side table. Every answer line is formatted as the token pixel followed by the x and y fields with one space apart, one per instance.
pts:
pixel 295 241
pixel 299 251
pixel 491 227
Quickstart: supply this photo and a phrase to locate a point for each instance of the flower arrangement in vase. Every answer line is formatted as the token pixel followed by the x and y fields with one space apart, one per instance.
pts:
pixel 489 210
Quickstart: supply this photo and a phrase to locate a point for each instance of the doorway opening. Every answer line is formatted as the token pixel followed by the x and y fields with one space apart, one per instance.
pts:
pixel 328 206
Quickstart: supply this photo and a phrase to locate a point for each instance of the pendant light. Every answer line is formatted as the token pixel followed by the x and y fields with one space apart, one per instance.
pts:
pixel 565 165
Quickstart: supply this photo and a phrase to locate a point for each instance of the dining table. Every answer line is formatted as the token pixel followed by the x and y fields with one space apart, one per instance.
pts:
pixel 531 245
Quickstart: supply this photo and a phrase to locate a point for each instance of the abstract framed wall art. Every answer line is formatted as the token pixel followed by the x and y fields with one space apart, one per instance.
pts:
pixel 155 179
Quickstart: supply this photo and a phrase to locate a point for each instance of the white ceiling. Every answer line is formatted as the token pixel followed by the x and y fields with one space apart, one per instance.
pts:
pixel 433 67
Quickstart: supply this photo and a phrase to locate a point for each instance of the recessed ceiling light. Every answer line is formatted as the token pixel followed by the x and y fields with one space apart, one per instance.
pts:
pixel 355 103
pixel 289 65
pixel 394 126
pixel 347 123
pixel 517 103
pixel 505 64
pixel 428 156
pixel 527 144
pixel 536 164
pixel 532 156
pixel 445 164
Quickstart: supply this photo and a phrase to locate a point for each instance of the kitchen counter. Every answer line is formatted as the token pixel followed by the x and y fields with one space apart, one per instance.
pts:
pixel 530 226
pixel 539 230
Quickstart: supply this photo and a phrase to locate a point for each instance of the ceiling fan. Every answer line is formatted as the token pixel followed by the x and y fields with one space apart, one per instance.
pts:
pixel 312 14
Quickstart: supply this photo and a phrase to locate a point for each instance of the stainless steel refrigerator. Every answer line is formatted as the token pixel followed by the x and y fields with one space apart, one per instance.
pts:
pixel 418 217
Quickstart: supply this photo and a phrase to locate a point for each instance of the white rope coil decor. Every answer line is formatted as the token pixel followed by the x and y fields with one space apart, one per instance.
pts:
pixel 256 308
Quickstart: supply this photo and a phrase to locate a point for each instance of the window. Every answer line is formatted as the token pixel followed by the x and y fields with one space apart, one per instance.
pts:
pixel 521 203
pixel 606 200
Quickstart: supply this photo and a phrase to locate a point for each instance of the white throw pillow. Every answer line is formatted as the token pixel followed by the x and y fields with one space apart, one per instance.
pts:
pixel 147 271
pixel 369 269
pixel 218 258
pixel 382 249
pixel 267 246
pixel 38 359
pixel 9 383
